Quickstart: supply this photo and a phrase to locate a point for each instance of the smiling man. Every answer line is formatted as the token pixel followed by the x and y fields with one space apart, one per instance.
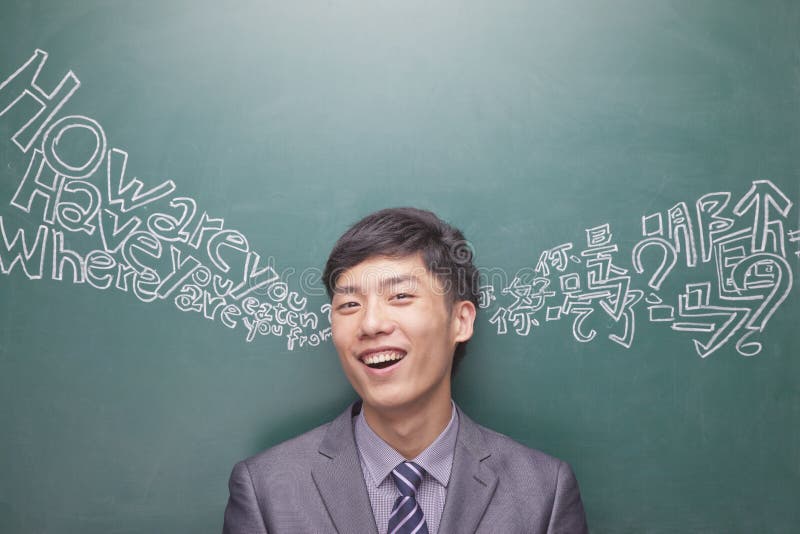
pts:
pixel 404 459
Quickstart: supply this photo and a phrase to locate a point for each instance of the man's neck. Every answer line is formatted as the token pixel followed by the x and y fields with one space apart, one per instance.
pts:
pixel 411 430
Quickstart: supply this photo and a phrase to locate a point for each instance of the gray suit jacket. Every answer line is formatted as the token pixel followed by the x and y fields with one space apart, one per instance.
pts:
pixel 314 484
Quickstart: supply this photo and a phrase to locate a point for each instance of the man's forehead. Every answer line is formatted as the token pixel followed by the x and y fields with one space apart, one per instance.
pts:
pixel 382 271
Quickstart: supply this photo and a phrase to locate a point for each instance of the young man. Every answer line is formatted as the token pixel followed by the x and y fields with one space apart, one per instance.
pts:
pixel 404 459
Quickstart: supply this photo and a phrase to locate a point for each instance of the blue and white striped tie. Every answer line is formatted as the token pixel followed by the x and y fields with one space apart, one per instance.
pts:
pixel 407 517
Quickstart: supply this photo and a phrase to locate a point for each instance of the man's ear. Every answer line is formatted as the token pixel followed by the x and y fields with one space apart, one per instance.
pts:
pixel 463 320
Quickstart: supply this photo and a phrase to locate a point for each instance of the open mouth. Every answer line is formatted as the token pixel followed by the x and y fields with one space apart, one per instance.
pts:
pixel 382 360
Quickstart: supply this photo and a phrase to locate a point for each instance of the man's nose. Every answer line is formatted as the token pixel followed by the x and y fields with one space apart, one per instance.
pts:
pixel 375 320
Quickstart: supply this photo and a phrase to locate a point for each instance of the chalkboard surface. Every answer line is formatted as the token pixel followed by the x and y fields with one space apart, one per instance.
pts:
pixel 174 173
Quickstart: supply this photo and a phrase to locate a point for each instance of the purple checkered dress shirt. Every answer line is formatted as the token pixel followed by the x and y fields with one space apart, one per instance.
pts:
pixel 378 459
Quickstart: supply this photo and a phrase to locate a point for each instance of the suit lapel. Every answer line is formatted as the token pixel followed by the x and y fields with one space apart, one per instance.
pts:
pixel 340 482
pixel 472 483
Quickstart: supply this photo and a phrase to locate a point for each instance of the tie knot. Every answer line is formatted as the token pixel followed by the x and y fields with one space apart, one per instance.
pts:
pixel 407 476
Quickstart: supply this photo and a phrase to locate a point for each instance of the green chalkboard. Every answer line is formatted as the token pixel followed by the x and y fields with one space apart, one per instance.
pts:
pixel 174 173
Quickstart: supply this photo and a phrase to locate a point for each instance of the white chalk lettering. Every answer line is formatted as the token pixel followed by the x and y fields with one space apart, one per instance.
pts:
pixel 99 266
pixel 745 239
pixel 22 84
pixel 18 251
pixel 731 245
pixel 127 194
pixel 69 124
pixel 78 203
pixel 39 182
pixel 63 256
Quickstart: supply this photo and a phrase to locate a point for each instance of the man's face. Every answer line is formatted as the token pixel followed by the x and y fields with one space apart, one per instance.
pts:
pixel 395 332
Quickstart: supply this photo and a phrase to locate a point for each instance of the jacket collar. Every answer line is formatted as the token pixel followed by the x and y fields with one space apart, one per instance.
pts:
pixel 340 482
pixel 472 482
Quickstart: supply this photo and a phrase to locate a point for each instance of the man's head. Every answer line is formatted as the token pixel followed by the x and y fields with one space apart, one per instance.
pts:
pixel 402 232
pixel 404 293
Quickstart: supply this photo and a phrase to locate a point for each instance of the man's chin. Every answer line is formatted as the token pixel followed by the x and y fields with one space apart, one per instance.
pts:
pixel 386 402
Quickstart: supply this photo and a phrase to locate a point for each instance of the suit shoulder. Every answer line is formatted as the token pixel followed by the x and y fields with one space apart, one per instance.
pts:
pixel 540 487
pixel 521 461
pixel 528 476
pixel 290 454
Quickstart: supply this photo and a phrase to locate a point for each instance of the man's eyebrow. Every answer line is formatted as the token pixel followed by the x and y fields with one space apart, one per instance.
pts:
pixel 383 284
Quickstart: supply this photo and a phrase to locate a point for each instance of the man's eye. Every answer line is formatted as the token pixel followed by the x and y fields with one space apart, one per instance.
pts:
pixel 402 296
pixel 347 305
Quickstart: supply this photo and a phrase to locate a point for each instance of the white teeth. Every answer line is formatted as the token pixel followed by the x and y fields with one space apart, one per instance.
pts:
pixel 382 357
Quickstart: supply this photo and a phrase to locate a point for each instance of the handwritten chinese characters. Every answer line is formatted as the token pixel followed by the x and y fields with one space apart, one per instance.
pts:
pixel 744 240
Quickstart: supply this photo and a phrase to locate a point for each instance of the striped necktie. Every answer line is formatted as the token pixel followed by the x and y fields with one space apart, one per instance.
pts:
pixel 407 517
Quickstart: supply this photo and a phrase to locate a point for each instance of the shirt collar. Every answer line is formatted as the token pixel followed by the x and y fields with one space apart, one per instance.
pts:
pixel 380 458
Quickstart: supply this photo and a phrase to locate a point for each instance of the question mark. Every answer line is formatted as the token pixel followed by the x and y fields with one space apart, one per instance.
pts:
pixel 668 260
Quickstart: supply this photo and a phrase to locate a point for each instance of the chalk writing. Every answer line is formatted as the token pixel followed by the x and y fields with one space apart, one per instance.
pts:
pixel 750 279
pixel 794 237
pixel 143 240
pixel 98 225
